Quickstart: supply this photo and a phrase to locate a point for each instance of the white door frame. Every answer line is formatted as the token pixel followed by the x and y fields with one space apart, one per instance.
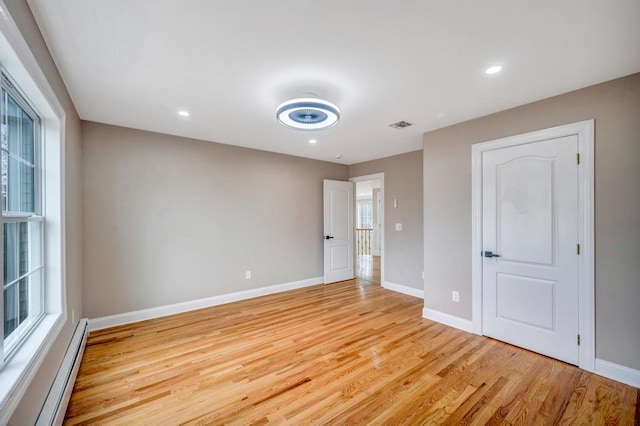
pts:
pixel 586 286
pixel 380 177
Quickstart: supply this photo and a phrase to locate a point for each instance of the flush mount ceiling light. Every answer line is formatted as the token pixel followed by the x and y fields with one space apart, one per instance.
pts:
pixel 308 114
pixel 494 69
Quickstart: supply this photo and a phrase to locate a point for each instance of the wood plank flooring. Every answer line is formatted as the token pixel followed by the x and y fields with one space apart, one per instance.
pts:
pixel 346 353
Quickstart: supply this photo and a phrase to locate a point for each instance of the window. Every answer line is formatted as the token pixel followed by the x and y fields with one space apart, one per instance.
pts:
pixel 365 214
pixel 22 221
pixel 33 301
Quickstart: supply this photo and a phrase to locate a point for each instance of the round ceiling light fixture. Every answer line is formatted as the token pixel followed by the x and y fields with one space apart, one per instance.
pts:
pixel 494 69
pixel 308 114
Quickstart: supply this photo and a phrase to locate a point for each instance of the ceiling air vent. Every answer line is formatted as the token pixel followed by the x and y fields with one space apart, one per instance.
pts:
pixel 401 124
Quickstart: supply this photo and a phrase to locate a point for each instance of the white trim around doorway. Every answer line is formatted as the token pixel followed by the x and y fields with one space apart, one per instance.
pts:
pixel 586 305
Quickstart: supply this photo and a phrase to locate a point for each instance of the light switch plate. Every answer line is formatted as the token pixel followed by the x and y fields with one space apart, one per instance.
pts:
pixel 398 227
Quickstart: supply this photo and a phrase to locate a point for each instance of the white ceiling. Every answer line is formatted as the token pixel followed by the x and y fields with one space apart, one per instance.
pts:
pixel 231 63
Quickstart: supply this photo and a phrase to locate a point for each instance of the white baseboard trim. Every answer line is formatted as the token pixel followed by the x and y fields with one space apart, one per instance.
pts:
pixel 177 308
pixel 617 372
pixel 403 289
pixel 447 319
pixel 55 406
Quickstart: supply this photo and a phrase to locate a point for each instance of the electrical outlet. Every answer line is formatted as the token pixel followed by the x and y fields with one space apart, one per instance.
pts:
pixel 455 296
pixel 423 275
pixel 247 275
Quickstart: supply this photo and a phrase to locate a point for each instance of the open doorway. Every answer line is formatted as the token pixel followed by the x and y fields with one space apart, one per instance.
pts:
pixel 369 227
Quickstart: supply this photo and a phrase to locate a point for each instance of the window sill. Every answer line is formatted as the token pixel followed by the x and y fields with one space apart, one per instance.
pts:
pixel 17 374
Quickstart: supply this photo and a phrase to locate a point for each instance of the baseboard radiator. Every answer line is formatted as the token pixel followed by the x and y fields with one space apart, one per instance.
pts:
pixel 55 406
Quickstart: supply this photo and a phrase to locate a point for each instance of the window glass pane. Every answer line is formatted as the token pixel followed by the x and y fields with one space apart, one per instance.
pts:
pixel 21 249
pixel 22 307
pixel 365 215
pixel 16 251
pixel 18 185
pixel 23 299
pixel 17 129
pixel 11 310
pixel 5 180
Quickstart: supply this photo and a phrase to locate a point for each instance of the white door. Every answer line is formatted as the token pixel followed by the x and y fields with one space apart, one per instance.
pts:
pixel 530 251
pixel 338 231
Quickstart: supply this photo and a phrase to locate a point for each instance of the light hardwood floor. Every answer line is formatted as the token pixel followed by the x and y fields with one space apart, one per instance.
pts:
pixel 345 353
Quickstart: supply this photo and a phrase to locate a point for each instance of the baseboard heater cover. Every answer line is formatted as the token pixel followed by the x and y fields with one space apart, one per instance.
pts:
pixel 55 406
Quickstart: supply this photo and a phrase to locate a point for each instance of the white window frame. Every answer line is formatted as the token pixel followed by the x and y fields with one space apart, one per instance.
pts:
pixel 17 61
pixel 21 333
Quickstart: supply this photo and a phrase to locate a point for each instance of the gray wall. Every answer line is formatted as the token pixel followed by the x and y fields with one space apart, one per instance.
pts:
pixel 403 249
pixel 168 219
pixel 615 106
pixel 29 407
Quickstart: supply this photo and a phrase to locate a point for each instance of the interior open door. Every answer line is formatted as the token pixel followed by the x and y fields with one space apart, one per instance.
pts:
pixel 338 231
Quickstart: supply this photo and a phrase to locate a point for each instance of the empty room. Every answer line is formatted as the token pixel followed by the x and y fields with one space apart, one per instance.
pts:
pixel 294 212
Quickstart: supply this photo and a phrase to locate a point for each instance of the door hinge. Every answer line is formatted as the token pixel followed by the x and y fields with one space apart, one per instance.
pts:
pixel 578 249
pixel 578 340
pixel 578 158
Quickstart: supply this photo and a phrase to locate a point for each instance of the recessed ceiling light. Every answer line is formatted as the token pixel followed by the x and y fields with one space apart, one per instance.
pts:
pixel 494 69
pixel 312 141
pixel 183 113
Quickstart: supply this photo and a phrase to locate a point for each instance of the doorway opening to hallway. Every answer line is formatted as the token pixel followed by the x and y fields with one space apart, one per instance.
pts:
pixel 369 227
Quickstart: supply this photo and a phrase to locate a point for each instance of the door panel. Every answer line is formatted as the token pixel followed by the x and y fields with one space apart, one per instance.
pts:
pixel 340 199
pixel 338 226
pixel 526 300
pixel 526 201
pixel 530 219
pixel 339 257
